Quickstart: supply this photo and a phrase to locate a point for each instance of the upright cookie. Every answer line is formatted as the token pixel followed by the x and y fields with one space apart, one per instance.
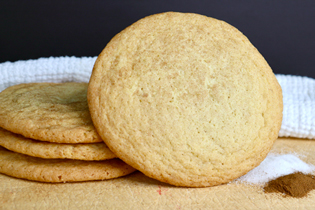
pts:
pixel 47 150
pixel 186 99
pixel 48 112
pixel 56 170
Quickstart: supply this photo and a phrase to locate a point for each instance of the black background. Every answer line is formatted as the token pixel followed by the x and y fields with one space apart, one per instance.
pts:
pixel 282 30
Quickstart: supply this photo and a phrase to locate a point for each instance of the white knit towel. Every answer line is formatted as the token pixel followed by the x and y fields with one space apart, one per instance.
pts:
pixel 298 92
pixel 298 106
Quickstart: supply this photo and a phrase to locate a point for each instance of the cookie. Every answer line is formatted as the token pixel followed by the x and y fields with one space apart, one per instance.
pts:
pixel 53 112
pixel 47 150
pixel 57 170
pixel 186 99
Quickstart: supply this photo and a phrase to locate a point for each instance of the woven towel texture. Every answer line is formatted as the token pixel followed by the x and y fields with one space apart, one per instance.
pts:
pixel 298 92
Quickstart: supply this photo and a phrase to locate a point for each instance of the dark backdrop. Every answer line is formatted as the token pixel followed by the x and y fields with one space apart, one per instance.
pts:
pixel 282 30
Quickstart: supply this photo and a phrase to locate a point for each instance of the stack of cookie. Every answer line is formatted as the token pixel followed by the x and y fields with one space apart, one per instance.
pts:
pixel 47 135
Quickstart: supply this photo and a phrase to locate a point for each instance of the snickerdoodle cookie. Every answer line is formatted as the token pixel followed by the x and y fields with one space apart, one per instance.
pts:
pixel 53 112
pixel 48 150
pixel 185 99
pixel 58 170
